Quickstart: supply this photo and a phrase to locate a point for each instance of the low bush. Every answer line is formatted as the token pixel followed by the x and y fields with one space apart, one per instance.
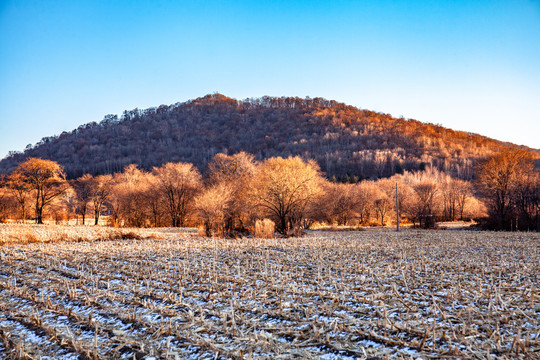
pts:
pixel 265 229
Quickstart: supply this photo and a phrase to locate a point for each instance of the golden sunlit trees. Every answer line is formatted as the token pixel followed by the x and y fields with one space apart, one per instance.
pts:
pixel 426 191
pixel 237 191
pixel 283 188
pixel 129 200
pixel 60 209
pixel 155 202
pixel 382 206
pixel 83 187
pixel 101 191
pixel 456 193
pixel 115 199
pixel 20 190
pixel 367 192
pixel 339 203
pixel 474 208
pixel 236 171
pixel 503 180
pixel 213 206
pixel 496 177
pixel 7 201
pixel 422 202
pixel 385 200
pixel 45 178
pixel 231 168
pixel 407 198
pixel 178 183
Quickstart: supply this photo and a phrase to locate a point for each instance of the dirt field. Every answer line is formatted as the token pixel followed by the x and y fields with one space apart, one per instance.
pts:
pixel 372 294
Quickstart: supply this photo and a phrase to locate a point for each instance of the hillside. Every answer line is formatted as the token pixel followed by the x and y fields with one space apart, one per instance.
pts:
pixel 344 140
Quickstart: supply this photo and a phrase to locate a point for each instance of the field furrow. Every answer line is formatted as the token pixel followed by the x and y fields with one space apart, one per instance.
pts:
pixel 329 295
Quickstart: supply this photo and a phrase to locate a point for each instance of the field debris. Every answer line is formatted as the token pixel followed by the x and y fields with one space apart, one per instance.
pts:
pixel 328 295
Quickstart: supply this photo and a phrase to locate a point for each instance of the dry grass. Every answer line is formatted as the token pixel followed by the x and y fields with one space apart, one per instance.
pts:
pixel 265 229
pixel 329 295
pixel 11 234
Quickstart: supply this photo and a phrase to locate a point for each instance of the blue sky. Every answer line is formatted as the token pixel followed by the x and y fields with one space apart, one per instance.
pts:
pixel 468 65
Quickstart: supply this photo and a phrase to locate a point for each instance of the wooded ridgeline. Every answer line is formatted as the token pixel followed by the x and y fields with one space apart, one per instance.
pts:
pixel 347 143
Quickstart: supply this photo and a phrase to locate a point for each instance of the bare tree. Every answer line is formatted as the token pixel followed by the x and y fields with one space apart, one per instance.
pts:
pixel 231 168
pixel 382 207
pixel 21 190
pixel 283 187
pixel 367 194
pixel 526 199
pixel 46 178
pixel 463 192
pixel 426 191
pixel 339 202
pixel 155 202
pixel 130 203
pixel 7 201
pixel 101 191
pixel 237 171
pixel 213 206
pixel 178 183
pixel 84 188
pixel 500 180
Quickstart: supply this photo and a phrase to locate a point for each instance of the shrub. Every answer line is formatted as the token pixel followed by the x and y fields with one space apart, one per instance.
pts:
pixel 265 229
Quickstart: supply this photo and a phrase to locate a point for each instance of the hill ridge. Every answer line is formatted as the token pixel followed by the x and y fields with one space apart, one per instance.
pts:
pixel 345 140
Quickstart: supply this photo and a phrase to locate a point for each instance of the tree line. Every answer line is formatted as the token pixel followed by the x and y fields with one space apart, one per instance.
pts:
pixel 236 191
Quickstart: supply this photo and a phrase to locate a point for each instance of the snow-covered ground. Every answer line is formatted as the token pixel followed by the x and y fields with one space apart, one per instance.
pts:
pixel 330 295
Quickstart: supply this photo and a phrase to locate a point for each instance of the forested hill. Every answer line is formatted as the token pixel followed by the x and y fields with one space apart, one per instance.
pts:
pixel 344 140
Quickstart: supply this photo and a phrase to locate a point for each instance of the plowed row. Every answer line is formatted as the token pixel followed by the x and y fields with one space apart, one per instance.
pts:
pixel 330 295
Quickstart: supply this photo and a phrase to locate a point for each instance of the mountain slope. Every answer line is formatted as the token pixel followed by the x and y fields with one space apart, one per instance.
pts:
pixel 344 140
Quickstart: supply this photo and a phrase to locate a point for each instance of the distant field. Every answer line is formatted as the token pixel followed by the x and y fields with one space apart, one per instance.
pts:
pixel 11 234
pixel 330 295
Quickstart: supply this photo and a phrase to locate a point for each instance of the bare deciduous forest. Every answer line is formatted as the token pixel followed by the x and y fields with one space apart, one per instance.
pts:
pixel 237 191
pixel 348 143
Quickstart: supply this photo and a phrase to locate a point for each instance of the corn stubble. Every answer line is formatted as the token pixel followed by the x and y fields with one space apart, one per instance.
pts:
pixel 370 294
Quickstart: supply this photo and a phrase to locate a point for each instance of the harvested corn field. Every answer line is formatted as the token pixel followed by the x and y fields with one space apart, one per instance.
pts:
pixel 330 295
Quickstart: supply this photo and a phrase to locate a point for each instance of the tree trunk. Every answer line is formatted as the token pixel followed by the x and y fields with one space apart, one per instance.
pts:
pixel 39 215
pixel 96 216
pixel 283 224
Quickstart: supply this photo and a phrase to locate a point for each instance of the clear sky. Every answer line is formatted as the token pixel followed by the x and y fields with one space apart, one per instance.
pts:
pixel 468 65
